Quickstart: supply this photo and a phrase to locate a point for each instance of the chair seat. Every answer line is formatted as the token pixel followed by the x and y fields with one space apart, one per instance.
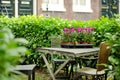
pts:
pixel 90 71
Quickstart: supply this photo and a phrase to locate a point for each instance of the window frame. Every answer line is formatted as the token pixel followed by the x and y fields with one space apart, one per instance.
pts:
pixel 81 8
pixel 53 7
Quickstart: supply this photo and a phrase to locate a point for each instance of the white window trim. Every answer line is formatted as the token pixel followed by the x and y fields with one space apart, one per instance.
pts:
pixel 5 1
pixel 54 7
pixel 87 8
pixel 34 7
pixel 16 8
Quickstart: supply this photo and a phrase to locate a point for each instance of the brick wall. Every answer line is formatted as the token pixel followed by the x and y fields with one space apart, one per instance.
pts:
pixel 69 14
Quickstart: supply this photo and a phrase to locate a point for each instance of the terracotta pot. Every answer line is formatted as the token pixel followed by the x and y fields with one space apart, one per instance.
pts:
pixel 85 43
pixel 65 42
pixel 91 42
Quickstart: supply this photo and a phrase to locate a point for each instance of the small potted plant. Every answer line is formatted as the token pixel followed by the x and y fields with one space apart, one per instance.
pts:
pixel 77 36
pixel 69 35
pixel 66 36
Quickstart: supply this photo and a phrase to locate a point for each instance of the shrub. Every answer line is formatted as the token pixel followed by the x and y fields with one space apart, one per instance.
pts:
pixel 39 29
pixel 10 53
pixel 114 42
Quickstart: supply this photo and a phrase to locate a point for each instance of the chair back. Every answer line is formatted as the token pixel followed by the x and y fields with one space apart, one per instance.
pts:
pixel 103 56
pixel 55 41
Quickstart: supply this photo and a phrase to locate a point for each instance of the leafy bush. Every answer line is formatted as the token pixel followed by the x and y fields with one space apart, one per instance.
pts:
pixel 9 53
pixel 114 41
pixel 39 29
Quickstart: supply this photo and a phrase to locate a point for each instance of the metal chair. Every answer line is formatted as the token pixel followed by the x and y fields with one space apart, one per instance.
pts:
pixel 97 73
pixel 89 61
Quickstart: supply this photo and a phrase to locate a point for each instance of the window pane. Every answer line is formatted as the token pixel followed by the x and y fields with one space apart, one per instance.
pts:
pixel 83 2
pixel 54 1
pixel 75 2
pixel 79 2
pixel 45 1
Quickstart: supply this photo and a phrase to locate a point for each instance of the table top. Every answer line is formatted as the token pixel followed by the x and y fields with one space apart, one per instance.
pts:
pixel 76 52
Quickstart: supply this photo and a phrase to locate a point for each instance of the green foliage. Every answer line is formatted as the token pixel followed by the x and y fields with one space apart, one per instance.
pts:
pixel 115 58
pixel 10 53
pixel 38 30
pixel 114 41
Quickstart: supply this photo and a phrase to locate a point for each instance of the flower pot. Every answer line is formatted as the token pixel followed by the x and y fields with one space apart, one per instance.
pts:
pixel 85 43
pixel 65 42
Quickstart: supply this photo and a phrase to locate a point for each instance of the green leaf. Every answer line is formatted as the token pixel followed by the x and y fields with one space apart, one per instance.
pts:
pixel 21 40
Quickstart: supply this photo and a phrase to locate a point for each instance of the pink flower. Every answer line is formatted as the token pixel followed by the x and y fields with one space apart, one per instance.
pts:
pixel 66 30
pixel 72 29
pixel 92 29
pixel 84 29
pixel 79 30
pixel 78 34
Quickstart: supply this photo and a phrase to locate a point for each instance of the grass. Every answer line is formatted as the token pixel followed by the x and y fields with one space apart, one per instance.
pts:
pixel 44 75
pixel 39 75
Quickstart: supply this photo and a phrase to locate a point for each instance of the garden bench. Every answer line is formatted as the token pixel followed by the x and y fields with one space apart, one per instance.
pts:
pixel 27 69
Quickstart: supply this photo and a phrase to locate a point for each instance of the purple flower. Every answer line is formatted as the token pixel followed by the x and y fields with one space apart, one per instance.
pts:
pixel 92 29
pixel 72 29
pixel 78 34
pixel 66 30
pixel 79 30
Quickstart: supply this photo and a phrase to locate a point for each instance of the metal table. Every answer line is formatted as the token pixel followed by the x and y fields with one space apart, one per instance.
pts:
pixel 70 52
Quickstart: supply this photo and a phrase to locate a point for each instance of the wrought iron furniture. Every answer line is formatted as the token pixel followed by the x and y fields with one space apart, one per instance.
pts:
pixel 97 73
pixel 70 53
pixel 55 43
pixel 89 61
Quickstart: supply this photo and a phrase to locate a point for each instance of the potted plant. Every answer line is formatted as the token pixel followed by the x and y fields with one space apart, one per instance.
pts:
pixel 85 35
pixel 69 35
pixel 65 36
pixel 77 35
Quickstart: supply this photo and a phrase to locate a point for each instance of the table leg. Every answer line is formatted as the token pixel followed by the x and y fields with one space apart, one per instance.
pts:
pixel 33 75
pixel 47 64
pixel 29 75
pixel 62 65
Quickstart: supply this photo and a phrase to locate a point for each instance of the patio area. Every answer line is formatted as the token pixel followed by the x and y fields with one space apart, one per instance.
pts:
pixel 44 75
pixel 39 75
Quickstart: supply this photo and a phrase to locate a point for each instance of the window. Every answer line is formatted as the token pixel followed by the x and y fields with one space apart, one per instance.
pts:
pixel 82 6
pixel 53 5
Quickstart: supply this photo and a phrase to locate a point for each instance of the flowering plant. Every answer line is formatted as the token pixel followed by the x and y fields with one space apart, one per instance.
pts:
pixel 78 35
pixel 69 35
pixel 85 34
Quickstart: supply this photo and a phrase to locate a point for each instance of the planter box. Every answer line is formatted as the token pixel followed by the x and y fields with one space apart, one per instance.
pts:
pixel 77 45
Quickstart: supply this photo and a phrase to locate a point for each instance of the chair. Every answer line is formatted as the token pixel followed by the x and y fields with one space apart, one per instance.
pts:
pixel 88 61
pixel 97 73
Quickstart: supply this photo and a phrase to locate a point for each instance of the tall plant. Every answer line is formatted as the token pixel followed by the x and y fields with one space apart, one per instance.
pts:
pixel 9 53
pixel 114 42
